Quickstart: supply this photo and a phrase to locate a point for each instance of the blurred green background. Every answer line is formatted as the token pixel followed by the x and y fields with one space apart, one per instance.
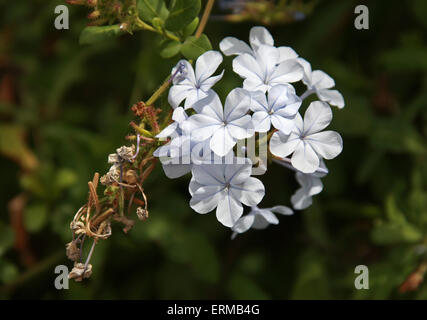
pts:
pixel 64 107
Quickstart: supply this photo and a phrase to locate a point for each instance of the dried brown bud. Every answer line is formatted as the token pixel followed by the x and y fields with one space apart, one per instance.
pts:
pixel 113 175
pixel 73 252
pixel 113 158
pixel 79 273
pixel 126 153
pixel 142 213
pixel 130 176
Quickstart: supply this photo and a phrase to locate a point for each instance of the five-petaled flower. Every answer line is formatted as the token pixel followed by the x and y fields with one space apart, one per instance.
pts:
pixel 306 141
pixel 321 83
pixel 259 218
pixel 279 108
pixel 223 126
pixel 194 85
pixel 225 187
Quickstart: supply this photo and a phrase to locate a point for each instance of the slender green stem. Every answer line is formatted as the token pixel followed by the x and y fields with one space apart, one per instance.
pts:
pixel 144 26
pixel 159 92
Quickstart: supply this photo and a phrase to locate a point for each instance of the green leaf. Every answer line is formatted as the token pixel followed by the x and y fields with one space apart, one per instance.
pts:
pixel 191 27
pixel 193 47
pixel 95 34
pixel 150 9
pixel 35 217
pixel 182 13
pixel 170 49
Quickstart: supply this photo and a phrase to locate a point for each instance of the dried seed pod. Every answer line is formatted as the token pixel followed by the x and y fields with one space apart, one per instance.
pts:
pixel 78 273
pixel 142 213
pixel 126 153
pixel 130 176
pixel 73 252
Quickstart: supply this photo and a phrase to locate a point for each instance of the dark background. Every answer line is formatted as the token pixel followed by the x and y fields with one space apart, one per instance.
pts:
pixel 64 107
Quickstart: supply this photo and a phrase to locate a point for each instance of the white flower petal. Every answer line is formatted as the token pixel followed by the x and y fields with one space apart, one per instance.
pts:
pixel 173 171
pixel 267 58
pixel 210 106
pixel 233 46
pixel 264 218
pixel 283 124
pixel 305 159
pixel 286 71
pixel 247 67
pixel 282 210
pixel 237 104
pixel 300 200
pixel 221 142
pixel 321 80
pixel 179 115
pixel 229 210
pixel 334 97
pixel 261 121
pixel 244 223
pixel 327 144
pixel 241 128
pixel 258 101
pixel 169 131
pixel 178 93
pixel 193 97
pixel 307 71
pixel 193 186
pixel 250 192
pixel 282 145
pixel 236 174
pixel 260 36
pixel 186 75
pixel 210 82
pixel 287 53
pixel 209 174
pixel 203 127
pixel 206 65
pixel 206 198
pixel 317 117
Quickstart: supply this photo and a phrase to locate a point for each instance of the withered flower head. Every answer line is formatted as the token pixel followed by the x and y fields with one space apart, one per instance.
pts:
pixel 73 252
pixel 79 273
pixel 142 213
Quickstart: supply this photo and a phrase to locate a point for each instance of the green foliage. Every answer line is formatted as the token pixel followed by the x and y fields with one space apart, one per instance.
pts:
pixel 182 13
pixel 150 9
pixel 194 47
pixel 170 48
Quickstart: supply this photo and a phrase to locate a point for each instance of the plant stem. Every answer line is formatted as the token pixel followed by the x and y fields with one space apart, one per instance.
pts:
pixel 158 92
pixel 144 26
pixel 205 18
